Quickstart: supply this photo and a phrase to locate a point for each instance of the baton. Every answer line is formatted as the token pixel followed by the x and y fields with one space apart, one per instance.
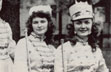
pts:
pixel 27 49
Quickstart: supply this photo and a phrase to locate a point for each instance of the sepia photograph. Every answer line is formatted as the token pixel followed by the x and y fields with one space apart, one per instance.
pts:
pixel 55 36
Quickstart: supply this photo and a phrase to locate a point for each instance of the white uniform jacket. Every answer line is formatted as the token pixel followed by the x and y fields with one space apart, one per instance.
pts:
pixel 79 58
pixel 38 58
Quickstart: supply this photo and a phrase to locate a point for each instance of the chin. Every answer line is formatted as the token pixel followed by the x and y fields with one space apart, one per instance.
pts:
pixel 83 35
pixel 40 33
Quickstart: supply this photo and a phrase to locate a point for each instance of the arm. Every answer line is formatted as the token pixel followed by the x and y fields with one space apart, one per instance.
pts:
pixel 12 43
pixel 101 65
pixel 61 57
pixel 11 48
pixel 6 38
pixel 58 61
pixel 20 59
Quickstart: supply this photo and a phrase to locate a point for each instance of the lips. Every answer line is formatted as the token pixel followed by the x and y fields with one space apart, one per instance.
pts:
pixel 39 29
pixel 83 31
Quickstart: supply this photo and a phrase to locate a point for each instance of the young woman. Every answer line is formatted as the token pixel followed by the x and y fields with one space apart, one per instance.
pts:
pixel 35 53
pixel 7 45
pixel 81 53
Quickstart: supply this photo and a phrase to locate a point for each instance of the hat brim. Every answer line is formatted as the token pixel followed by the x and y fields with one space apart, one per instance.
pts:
pixel 81 17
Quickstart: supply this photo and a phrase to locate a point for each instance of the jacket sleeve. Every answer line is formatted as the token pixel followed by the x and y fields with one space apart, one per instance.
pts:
pixel 58 61
pixel 11 48
pixel 61 58
pixel 20 59
pixel 101 64
pixel 9 30
pixel 12 43
pixel 62 55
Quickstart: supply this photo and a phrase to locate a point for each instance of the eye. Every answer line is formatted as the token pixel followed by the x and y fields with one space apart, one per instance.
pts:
pixel 87 22
pixel 43 21
pixel 35 22
pixel 77 22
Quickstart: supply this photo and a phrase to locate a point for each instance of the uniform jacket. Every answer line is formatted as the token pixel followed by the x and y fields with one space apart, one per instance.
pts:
pixel 79 58
pixel 7 46
pixel 40 54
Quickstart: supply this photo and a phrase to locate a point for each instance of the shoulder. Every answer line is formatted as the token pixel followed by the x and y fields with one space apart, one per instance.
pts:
pixel 4 22
pixel 22 45
pixel 66 46
pixel 65 49
pixel 98 53
pixel 98 50
pixel 21 41
pixel 5 25
pixel 51 46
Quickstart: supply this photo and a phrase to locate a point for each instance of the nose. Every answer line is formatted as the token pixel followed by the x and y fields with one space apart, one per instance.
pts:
pixel 39 24
pixel 82 25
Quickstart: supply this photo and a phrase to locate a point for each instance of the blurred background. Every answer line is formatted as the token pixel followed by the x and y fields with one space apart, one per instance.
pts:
pixel 16 13
pixel 10 13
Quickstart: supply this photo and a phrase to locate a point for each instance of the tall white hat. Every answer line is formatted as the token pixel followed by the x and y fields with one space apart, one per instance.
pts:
pixel 42 8
pixel 81 10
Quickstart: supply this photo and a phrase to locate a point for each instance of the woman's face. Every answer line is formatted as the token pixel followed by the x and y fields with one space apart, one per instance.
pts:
pixel 39 25
pixel 83 27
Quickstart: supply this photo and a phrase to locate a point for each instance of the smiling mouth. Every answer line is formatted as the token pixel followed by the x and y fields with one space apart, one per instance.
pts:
pixel 83 31
pixel 39 29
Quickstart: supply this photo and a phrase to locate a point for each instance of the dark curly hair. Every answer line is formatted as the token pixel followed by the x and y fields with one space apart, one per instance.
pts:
pixel 49 33
pixel 92 41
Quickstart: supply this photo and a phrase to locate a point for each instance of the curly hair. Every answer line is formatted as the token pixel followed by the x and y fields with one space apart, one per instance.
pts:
pixel 92 41
pixel 49 32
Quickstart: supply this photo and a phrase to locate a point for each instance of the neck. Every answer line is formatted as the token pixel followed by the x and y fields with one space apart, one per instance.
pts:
pixel 84 39
pixel 41 37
